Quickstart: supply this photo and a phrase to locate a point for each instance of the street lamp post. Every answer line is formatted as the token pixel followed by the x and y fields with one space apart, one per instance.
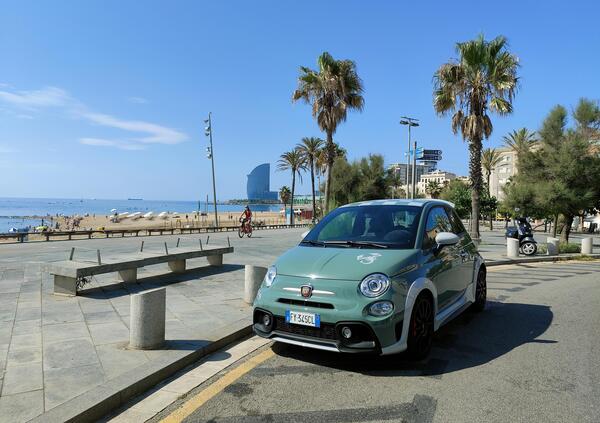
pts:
pixel 210 154
pixel 409 121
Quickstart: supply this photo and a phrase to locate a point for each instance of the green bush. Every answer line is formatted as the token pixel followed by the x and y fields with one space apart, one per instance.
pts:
pixel 569 247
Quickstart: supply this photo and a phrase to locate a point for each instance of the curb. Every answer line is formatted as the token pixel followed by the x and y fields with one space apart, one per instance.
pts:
pixel 503 262
pixel 102 399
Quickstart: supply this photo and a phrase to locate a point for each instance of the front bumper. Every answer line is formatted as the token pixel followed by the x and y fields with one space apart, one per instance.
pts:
pixel 328 337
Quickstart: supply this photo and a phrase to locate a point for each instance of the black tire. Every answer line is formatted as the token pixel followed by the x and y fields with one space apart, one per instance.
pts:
pixel 240 233
pixel 249 234
pixel 480 292
pixel 529 248
pixel 420 335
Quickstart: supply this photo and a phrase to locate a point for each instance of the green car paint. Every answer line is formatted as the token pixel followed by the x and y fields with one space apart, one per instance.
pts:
pixel 334 272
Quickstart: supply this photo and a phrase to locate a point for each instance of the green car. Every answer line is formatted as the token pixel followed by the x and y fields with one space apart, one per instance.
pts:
pixel 376 276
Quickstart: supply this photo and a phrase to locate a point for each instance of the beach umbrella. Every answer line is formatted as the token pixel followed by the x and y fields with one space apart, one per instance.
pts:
pixel 113 210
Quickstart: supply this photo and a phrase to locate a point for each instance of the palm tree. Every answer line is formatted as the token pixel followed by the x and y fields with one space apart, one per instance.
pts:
pixel 310 148
pixel 284 195
pixel 294 161
pixel 331 90
pixel 520 141
pixel 489 160
pixel 483 78
pixel 434 189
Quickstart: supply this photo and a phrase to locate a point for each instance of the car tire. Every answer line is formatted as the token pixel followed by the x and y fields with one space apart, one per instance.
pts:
pixel 420 335
pixel 480 292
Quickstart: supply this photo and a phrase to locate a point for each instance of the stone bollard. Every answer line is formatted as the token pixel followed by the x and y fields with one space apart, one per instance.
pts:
pixel 552 245
pixel 147 320
pixel 512 247
pixel 253 279
pixel 586 245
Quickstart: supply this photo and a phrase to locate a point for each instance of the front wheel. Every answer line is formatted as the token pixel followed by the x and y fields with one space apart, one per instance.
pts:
pixel 529 248
pixel 240 233
pixel 480 292
pixel 420 335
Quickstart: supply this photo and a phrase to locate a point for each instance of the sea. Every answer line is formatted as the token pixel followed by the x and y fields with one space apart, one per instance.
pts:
pixel 22 212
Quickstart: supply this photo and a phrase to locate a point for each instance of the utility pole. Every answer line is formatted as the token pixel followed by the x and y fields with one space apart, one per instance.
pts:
pixel 409 121
pixel 211 156
pixel 414 172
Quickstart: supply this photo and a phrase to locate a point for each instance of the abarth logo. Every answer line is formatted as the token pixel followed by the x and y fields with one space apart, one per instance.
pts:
pixel 306 291
pixel 368 258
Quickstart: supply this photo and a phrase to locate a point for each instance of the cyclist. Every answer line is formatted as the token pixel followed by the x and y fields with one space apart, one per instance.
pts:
pixel 246 217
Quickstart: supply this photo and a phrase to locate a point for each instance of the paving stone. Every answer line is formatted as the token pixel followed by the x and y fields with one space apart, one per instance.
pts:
pixel 63 384
pixel 101 317
pixel 71 353
pixel 22 378
pixel 156 401
pixel 7 315
pixel 27 327
pixel 64 331
pixel 24 356
pixel 116 359
pixel 29 313
pixel 54 317
pixel 21 407
pixel 29 340
pixel 109 333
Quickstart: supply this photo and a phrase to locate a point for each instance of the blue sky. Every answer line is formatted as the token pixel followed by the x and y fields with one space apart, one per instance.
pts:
pixel 106 99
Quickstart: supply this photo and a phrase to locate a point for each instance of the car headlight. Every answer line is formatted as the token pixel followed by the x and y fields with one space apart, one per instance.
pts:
pixel 374 285
pixel 381 308
pixel 270 275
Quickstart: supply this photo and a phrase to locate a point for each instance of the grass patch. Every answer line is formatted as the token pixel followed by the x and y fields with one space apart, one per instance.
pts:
pixel 563 248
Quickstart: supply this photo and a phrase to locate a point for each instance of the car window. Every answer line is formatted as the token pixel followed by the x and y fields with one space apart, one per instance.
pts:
pixel 437 221
pixel 457 226
pixel 395 226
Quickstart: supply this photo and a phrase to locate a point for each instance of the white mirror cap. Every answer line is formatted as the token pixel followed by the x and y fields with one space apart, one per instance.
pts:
pixel 446 238
pixel 304 234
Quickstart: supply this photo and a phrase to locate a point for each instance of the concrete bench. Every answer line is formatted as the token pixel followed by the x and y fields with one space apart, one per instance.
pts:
pixel 67 273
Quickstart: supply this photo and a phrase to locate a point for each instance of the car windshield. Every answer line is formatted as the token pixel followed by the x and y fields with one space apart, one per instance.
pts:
pixel 380 226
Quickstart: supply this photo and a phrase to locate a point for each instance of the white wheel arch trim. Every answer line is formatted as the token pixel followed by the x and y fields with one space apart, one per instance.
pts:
pixel 440 318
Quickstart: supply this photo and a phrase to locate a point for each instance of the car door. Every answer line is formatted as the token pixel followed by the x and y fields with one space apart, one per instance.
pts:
pixel 465 250
pixel 443 263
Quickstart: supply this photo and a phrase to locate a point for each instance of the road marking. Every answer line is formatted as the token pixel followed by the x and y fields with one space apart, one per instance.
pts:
pixel 204 396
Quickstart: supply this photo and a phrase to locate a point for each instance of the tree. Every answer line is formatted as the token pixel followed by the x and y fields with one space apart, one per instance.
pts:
pixel 433 189
pixel 294 161
pixel 285 195
pixel 331 90
pixel 587 117
pixel 489 160
pixel 560 177
pixel 363 179
pixel 457 192
pixel 310 148
pixel 520 141
pixel 483 78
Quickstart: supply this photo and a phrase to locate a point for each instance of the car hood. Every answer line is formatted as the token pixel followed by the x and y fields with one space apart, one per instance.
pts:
pixel 342 263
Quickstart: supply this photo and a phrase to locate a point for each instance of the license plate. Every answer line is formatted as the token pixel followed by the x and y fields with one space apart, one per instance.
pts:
pixel 301 318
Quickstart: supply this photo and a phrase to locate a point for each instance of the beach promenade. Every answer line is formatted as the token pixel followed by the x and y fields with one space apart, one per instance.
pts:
pixel 59 353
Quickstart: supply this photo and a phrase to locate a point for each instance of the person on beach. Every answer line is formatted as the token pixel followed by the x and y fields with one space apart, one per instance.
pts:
pixel 246 217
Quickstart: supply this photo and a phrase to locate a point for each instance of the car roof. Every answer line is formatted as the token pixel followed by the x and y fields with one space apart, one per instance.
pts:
pixel 417 202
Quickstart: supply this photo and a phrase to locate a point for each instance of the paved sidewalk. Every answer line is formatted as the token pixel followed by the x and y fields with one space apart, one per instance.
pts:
pixel 54 348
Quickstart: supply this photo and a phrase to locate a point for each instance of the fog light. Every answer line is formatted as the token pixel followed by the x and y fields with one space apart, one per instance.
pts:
pixel 381 308
pixel 346 332
pixel 266 320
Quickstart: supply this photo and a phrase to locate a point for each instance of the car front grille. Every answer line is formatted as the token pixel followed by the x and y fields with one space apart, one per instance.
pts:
pixel 304 303
pixel 326 331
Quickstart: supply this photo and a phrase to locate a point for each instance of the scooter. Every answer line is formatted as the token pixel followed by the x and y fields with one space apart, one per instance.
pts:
pixel 524 233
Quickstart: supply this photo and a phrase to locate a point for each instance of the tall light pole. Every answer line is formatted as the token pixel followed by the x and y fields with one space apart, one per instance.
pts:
pixel 210 154
pixel 409 122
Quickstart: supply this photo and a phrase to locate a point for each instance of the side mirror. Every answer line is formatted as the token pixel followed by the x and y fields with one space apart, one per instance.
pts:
pixel 446 238
pixel 303 235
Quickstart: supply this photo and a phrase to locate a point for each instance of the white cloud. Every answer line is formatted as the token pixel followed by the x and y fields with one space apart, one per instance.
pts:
pixel 145 132
pixel 46 97
pixel 137 100
pixel 101 142
pixel 156 134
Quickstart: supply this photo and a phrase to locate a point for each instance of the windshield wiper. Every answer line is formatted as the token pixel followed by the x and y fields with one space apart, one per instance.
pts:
pixel 358 244
pixel 311 242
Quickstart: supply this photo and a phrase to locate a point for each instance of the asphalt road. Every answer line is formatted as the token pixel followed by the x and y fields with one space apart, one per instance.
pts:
pixel 532 356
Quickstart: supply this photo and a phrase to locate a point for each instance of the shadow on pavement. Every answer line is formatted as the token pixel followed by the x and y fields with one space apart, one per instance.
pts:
pixel 470 340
